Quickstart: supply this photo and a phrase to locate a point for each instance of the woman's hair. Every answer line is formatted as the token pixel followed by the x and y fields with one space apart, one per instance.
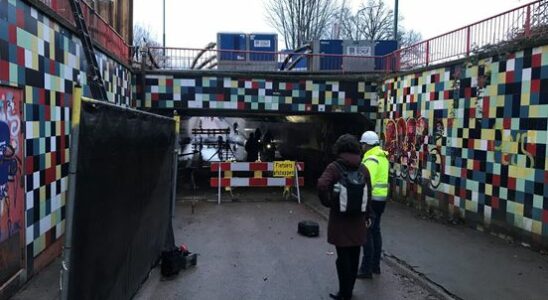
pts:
pixel 347 143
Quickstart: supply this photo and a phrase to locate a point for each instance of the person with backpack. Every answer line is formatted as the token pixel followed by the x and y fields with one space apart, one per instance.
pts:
pixel 376 161
pixel 345 187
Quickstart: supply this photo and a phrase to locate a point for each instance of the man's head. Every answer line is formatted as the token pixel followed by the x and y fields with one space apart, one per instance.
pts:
pixel 369 140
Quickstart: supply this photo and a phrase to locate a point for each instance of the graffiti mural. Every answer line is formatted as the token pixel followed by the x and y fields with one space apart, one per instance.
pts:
pixel 11 193
pixel 486 151
pixel 406 142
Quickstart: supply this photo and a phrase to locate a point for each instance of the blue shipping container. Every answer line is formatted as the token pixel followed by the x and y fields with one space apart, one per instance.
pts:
pixel 263 42
pixel 331 47
pixel 231 41
pixel 383 48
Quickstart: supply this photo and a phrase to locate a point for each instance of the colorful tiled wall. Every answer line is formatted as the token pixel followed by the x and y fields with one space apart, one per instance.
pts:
pixel 45 60
pixel 283 94
pixel 471 139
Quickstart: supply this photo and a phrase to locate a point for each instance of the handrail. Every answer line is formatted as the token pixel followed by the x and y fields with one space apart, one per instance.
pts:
pixel 102 33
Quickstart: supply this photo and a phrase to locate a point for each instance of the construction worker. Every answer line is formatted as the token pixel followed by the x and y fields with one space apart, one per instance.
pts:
pixel 375 160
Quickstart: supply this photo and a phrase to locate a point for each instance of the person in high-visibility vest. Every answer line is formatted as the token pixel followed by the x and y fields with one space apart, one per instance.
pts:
pixel 375 160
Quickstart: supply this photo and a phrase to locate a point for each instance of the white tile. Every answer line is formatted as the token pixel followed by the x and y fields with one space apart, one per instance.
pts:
pixel 528 224
pixel 526 74
pixel 29 130
pixel 30 200
pixel 45 224
pixel 29 235
pixel 53 144
pixel 36 180
pixel 510 65
pixel 188 82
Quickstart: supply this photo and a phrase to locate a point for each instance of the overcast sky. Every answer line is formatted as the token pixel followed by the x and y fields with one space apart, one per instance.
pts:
pixel 194 23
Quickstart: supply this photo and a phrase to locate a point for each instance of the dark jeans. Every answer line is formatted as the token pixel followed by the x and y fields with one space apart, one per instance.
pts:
pixel 373 247
pixel 348 259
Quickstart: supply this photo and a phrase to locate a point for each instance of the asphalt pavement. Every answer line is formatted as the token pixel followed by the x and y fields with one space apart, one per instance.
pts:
pixel 251 250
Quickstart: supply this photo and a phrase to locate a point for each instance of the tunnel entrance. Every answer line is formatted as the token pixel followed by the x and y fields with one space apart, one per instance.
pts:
pixel 207 138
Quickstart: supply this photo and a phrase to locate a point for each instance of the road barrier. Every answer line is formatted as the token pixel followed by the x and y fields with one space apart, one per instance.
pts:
pixel 284 174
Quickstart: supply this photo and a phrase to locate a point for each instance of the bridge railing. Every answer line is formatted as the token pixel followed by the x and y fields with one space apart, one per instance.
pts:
pixel 526 21
pixel 99 30
pixel 262 61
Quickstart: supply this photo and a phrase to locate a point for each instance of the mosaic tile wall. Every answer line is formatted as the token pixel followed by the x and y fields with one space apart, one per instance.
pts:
pixel 259 94
pixel 472 139
pixel 45 59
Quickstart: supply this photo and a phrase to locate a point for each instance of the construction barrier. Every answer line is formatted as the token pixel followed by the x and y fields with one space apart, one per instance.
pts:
pixel 285 174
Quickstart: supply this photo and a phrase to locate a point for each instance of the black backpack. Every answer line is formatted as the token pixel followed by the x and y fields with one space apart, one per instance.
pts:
pixel 350 193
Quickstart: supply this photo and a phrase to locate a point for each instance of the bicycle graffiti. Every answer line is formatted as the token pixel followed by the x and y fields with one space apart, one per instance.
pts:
pixel 406 142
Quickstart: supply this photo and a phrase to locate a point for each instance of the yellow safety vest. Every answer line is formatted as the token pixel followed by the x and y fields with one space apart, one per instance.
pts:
pixel 376 162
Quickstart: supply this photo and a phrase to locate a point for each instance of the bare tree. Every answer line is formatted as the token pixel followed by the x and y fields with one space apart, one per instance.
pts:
pixel 143 38
pixel 373 21
pixel 408 38
pixel 300 21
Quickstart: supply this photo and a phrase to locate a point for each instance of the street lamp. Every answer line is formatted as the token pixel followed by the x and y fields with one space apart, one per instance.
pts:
pixel 396 20
pixel 164 30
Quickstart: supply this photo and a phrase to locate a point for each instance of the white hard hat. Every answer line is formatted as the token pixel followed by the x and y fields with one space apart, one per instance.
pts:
pixel 370 138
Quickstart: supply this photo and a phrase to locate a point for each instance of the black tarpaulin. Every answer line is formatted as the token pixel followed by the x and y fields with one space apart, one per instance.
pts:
pixel 123 197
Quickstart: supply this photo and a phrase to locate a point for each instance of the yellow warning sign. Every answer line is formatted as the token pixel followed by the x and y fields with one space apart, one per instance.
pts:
pixel 284 168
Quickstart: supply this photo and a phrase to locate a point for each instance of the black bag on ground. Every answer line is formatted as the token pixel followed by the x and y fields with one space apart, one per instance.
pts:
pixel 309 228
pixel 176 260
pixel 172 261
pixel 350 192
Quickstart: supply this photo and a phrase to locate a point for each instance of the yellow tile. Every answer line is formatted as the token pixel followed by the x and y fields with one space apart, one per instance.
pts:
pixel 28 94
pixel 519 209
pixel 470 164
pixel 488 189
pixel 48 160
pixel 42 193
pixel 288 100
pixel 537 227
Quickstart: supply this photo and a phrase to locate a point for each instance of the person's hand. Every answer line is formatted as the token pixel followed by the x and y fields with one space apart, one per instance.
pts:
pixel 368 223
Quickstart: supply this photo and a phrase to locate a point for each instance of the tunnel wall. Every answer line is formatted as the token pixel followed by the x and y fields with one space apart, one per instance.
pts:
pixel 469 140
pixel 42 58
pixel 258 93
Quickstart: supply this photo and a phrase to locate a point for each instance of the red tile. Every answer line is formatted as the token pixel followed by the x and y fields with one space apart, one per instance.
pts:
pixel 495 202
pixel 510 76
pixel 29 165
pixel 20 18
pixel 535 85
pixel 536 60
pixel 12 34
pixel 4 71
pixel 496 180
pixel 511 183
pixel 545 216
pixel 50 175
pixel 507 123
pixel 20 56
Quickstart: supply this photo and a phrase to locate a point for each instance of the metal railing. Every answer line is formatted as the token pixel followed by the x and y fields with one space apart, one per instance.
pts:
pixel 526 21
pixel 262 61
pixel 99 30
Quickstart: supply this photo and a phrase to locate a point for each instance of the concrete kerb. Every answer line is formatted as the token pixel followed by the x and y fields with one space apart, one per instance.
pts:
pixel 405 269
